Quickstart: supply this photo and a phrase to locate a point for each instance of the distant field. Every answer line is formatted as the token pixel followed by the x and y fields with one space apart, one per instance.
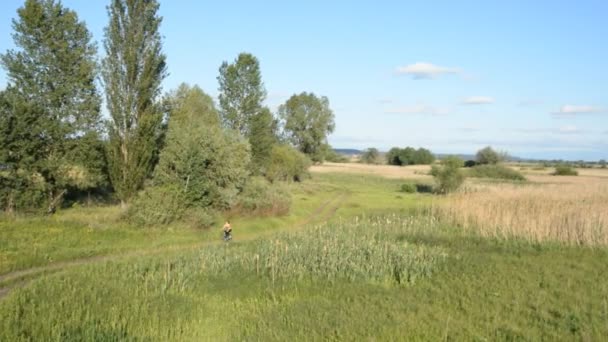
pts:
pixel 389 171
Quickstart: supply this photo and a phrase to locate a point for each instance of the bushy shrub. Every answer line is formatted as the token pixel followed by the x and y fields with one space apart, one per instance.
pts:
pixel 565 170
pixel 260 197
pixel 470 163
pixel 495 172
pixel 200 217
pixel 157 205
pixel 424 188
pixel 448 176
pixel 409 188
pixel 409 156
pixel 287 164
pixel 371 156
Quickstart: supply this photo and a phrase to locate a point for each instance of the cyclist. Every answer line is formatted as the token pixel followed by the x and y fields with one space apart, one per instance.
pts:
pixel 227 229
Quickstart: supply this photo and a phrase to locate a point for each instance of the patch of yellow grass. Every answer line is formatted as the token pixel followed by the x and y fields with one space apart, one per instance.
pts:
pixel 388 171
pixel 572 210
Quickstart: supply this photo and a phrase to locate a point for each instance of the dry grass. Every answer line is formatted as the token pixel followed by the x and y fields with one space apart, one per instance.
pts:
pixel 572 210
pixel 388 171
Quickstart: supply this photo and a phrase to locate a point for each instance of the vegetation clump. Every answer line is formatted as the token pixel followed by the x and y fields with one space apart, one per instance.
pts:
pixel 565 170
pixel 409 156
pixel 448 176
pixel 495 172
pixel 262 198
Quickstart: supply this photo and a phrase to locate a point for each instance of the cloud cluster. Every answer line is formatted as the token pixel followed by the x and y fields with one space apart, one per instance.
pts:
pixel 424 70
pixel 571 110
pixel 478 100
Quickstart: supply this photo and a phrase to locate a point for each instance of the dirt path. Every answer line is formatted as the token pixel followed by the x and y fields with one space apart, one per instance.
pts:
pixel 21 278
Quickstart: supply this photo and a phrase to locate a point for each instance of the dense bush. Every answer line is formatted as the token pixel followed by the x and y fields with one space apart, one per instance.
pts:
pixel 409 188
pixel 565 170
pixel 470 163
pixel 409 156
pixel 287 164
pixel 260 197
pixel 158 205
pixel 496 172
pixel 448 176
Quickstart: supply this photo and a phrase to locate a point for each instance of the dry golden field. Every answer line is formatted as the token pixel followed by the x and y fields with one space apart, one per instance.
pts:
pixel 389 171
pixel 568 209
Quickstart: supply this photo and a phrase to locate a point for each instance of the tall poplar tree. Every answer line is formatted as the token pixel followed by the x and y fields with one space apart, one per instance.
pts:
pixel 51 102
pixel 133 70
pixel 241 92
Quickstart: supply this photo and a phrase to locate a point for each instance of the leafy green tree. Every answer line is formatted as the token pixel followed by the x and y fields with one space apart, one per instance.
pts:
pixel 422 156
pixel 133 70
pixel 488 155
pixel 262 137
pixel 51 100
pixel 371 156
pixel 241 92
pixel 407 156
pixel 188 102
pixel 307 121
pixel 392 156
pixel 203 162
pixel 287 164
pixel 449 177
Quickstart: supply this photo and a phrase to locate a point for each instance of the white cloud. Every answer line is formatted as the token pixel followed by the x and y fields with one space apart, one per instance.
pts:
pixel 478 100
pixel 424 70
pixel 569 130
pixel 568 110
pixel 418 109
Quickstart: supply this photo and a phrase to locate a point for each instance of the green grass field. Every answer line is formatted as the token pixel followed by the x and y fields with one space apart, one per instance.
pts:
pixel 354 260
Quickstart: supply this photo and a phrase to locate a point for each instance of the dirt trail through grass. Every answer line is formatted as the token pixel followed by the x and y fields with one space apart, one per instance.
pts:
pixel 17 279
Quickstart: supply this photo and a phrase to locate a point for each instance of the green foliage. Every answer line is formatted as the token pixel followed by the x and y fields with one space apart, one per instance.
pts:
pixel 206 164
pixel 449 177
pixel 409 188
pixel 487 155
pixel 157 205
pixel 287 164
pixel 565 170
pixel 188 102
pixel 307 120
pixel 409 156
pixel 470 163
pixel 371 156
pixel 262 137
pixel 602 163
pixel 133 69
pixel 260 197
pixel 241 92
pixel 50 102
pixel 495 172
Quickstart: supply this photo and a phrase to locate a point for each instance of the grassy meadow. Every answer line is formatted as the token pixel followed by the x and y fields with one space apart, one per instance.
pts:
pixel 355 259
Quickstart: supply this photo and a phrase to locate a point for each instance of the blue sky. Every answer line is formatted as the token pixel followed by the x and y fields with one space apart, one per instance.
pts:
pixel 528 77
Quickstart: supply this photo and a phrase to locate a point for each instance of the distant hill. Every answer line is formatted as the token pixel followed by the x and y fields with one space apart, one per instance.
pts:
pixel 348 151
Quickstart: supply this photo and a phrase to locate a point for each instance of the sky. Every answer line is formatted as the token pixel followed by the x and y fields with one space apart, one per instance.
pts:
pixel 526 77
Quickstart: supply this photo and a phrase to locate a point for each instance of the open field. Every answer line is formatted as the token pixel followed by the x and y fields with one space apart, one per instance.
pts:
pixel 355 259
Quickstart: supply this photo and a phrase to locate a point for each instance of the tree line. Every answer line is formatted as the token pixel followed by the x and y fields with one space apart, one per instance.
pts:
pixel 155 148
